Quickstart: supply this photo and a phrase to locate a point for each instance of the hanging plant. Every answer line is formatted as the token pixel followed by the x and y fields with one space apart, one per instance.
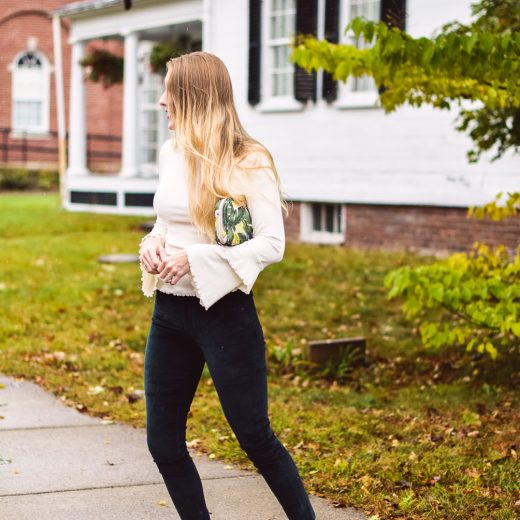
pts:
pixel 103 66
pixel 162 52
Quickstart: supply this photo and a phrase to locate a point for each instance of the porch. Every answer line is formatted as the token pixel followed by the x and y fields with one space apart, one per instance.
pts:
pixel 144 124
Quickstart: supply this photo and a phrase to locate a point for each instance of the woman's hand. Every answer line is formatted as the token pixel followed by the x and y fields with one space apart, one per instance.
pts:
pixel 174 267
pixel 151 254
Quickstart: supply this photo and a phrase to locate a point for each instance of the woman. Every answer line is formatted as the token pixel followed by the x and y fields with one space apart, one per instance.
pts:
pixel 204 308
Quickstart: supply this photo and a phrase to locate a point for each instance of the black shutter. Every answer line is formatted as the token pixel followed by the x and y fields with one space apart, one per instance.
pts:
pixel 255 47
pixel 330 87
pixel 393 13
pixel 306 23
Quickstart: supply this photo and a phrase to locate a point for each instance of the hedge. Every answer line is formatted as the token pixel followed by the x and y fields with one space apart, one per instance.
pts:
pixel 28 179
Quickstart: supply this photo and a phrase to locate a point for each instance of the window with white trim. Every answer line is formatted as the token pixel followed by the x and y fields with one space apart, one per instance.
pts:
pixel 30 92
pixel 275 84
pixel 279 26
pixel 282 19
pixel 369 9
pixel 152 121
pixel 362 91
pixel 322 222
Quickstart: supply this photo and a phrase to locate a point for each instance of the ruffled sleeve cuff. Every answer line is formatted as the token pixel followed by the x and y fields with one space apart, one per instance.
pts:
pixel 217 270
pixel 148 280
pixel 212 276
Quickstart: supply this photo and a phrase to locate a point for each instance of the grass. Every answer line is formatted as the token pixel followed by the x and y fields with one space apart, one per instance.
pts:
pixel 413 434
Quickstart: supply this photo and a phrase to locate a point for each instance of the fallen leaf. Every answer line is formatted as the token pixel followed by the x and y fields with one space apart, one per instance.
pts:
pixel 95 390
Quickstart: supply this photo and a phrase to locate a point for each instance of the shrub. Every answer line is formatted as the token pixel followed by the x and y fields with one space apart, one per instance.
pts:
pixel 23 179
pixel 475 298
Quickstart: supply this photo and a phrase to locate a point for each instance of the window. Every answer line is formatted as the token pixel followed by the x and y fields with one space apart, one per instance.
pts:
pixel 152 121
pixel 281 27
pixel 369 9
pixel 363 92
pixel 358 92
pixel 322 222
pixel 275 84
pixel 30 93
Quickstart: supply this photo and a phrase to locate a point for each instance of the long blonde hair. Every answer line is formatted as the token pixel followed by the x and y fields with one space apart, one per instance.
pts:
pixel 207 128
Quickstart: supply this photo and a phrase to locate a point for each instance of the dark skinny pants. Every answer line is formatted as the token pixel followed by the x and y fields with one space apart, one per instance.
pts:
pixel 229 338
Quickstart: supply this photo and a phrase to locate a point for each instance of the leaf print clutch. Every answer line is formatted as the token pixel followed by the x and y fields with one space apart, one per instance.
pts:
pixel 233 224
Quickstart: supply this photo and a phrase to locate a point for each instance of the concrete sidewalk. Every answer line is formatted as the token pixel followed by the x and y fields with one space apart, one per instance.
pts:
pixel 59 464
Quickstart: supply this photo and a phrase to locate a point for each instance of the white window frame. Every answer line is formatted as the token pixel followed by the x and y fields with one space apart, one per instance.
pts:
pixel 43 128
pixel 347 97
pixel 268 102
pixel 308 234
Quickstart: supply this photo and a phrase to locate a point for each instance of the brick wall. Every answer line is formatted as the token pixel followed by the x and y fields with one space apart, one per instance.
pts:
pixel 105 110
pixel 426 228
pixel 22 19
pixel 292 221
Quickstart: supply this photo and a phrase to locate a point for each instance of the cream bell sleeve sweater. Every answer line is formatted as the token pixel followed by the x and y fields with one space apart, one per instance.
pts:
pixel 217 270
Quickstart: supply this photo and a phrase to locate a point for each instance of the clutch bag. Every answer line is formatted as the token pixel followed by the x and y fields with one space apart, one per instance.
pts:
pixel 233 223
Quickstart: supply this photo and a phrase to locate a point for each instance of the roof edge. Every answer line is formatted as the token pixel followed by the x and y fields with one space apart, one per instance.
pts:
pixel 84 5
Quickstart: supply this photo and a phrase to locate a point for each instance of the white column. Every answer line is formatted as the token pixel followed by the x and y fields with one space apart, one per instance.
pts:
pixel 129 167
pixel 77 120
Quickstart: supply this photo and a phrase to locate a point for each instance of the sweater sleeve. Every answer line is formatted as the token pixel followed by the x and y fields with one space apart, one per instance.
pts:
pixel 217 270
pixel 159 228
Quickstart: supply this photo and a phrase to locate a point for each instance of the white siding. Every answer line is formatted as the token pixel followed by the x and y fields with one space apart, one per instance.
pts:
pixel 412 156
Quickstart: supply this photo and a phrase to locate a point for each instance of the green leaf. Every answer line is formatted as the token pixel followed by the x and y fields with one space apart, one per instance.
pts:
pixel 491 350
pixel 515 329
pixel 428 54
pixel 506 40
pixel 357 25
pixel 471 41
pixel 437 292
pixel 486 42
pixel 368 31
pixel 393 42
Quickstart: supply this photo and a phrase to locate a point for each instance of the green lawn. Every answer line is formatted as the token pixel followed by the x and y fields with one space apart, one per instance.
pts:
pixel 415 434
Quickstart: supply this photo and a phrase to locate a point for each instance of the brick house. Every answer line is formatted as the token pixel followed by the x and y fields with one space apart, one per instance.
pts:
pixel 355 176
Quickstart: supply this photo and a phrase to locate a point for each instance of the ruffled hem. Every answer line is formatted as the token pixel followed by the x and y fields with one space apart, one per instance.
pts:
pixel 212 278
pixel 150 284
